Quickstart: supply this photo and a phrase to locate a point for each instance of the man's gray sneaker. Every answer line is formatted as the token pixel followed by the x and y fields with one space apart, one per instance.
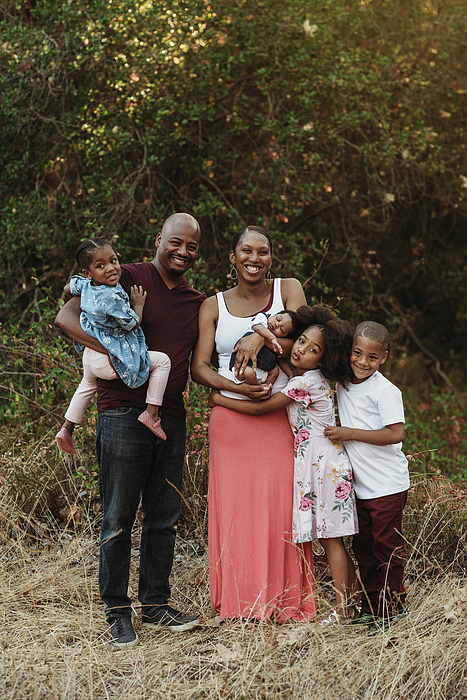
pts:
pixel 123 634
pixel 165 616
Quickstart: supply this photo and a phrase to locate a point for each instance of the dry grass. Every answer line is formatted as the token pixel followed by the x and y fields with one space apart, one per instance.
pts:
pixel 54 639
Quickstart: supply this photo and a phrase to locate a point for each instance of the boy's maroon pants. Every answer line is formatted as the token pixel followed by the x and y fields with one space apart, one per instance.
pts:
pixel 378 550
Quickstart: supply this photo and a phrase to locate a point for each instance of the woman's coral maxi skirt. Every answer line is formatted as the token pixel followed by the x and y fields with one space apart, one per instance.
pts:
pixel 255 569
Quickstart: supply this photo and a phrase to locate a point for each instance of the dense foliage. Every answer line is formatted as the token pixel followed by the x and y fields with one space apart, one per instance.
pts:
pixel 340 127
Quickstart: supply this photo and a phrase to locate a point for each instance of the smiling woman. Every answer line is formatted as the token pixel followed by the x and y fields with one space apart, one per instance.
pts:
pixel 255 569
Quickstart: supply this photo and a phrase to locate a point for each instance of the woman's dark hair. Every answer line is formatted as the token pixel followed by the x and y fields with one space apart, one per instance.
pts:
pixel 85 252
pixel 255 229
pixel 337 335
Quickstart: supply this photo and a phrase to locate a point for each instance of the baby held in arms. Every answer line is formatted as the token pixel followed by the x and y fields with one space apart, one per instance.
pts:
pixel 282 325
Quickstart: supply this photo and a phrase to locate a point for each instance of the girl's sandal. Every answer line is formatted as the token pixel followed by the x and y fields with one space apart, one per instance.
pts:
pixel 154 426
pixel 65 442
pixel 334 619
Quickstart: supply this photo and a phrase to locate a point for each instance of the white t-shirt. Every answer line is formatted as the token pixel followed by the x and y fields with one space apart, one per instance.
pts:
pixel 371 405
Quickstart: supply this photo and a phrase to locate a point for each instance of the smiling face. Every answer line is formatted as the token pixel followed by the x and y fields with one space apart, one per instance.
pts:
pixel 308 350
pixel 252 256
pixel 103 267
pixel 177 246
pixel 281 325
pixel 366 357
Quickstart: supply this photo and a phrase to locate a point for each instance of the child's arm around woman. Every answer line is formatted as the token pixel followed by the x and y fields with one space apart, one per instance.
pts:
pixel 389 435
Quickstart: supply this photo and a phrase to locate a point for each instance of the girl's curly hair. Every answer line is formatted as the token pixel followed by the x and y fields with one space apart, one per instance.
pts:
pixel 337 334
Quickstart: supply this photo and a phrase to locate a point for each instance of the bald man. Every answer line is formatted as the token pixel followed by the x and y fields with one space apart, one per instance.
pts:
pixel 133 462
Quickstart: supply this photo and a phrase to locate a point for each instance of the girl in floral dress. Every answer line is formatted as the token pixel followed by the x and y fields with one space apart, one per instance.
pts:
pixel 324 500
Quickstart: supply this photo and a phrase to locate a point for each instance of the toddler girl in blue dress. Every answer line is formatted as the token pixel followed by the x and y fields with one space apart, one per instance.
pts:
pixel 108 315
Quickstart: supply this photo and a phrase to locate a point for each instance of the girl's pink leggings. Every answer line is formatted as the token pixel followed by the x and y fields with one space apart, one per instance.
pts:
pixel 96 364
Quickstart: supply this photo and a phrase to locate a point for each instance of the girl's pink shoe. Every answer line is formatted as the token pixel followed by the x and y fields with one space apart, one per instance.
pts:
pixel 154 426
pixel 64 441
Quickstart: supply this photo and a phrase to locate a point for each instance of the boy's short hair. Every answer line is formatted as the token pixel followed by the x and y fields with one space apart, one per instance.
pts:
pixel 373 331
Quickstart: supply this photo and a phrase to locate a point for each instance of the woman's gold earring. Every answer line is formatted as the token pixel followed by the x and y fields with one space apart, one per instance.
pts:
pixel 231 274
pixel 269 276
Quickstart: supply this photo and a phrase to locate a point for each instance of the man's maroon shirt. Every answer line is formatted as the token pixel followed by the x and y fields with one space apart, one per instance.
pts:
pixel 170 325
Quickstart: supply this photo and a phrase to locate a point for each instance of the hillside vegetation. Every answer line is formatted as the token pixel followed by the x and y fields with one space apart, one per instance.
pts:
pixel 340 127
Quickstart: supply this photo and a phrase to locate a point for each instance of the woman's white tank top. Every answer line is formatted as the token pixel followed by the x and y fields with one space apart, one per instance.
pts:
pixel 231 328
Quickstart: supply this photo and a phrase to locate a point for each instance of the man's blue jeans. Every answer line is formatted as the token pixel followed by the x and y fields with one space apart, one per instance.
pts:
pixel 134 463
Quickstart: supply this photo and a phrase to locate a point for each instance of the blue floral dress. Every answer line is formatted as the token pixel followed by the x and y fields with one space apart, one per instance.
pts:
pixel 106 315
pixel 324 499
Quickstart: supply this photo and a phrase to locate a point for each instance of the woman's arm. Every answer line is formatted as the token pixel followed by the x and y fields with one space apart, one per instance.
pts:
pixel 68 322
pixel 390 435
pixel 293 295
pixel 250 408
pixel 248 348
pixel 201 370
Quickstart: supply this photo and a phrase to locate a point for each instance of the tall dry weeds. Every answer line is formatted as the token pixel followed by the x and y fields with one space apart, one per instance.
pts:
pixel 54 640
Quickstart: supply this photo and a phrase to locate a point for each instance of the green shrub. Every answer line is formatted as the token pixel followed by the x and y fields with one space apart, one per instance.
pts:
pixel 323 122
pixel 436 435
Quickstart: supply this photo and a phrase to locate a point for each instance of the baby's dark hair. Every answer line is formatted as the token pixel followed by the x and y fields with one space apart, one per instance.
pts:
pixel 373 331
pixel 296 325
pixel 337 334
pixel 86 250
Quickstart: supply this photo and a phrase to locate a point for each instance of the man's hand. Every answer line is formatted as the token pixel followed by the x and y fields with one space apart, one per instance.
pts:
pixel 336 434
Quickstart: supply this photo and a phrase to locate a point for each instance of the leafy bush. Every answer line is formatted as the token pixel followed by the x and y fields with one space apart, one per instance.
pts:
pixel 436 436
pixel 338 123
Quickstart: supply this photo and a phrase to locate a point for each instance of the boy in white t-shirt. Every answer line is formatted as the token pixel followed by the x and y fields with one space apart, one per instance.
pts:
pixel 372 418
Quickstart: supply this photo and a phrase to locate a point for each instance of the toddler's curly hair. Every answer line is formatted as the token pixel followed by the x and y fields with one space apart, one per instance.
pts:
pixel 338 336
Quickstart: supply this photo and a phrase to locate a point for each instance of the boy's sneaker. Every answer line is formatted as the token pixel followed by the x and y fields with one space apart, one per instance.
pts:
pixel 364 619
pixel 165 616
pixel 386 624
pixel 123 634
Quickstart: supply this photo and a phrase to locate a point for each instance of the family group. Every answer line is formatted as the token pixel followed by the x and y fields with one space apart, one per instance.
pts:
pixel 281 472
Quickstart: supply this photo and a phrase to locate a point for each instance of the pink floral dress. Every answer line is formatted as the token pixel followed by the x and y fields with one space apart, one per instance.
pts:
pixel 324 499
